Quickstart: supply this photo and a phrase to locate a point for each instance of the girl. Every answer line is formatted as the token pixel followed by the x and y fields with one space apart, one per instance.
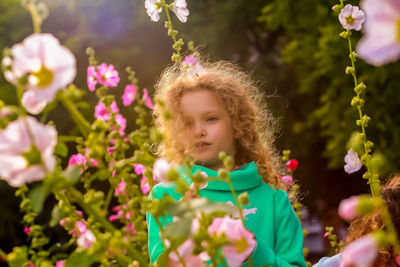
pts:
pixel 216 107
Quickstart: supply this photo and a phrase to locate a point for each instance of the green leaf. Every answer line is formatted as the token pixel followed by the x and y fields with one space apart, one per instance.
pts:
pixel 180 228
pixel 18 257
pixel 37 195
pixel 61 149
pixel 72 173
pixel 79 259
pixel 56 215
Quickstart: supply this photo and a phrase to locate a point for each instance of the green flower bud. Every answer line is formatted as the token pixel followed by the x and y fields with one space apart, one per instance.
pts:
pixel 365 205
pixel 223 174
pixel 244 198
pixel 172 175
pixel 360 88
pixel 345 34
pixel 381 237
pixel 168 25
pixel 222 155
pixel 175 57
pixel 349 70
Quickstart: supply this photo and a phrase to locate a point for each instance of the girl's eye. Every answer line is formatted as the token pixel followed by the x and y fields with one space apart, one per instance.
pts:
pixel 211 118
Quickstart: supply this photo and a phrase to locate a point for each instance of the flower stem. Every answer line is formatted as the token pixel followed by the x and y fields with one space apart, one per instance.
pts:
pixel 81 122
pixel 36 21
pixel 77 196
pixel 372 180
pixel 387 221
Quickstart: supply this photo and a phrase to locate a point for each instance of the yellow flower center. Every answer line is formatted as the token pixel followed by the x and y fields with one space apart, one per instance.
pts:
pixel 350 20
pixel 32 156
pixel 398 29
pixel 241 245
pixel 43 77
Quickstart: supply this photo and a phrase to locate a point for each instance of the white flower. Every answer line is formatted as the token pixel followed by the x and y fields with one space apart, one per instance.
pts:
pixel 351 17
pixel 21 160
pixel 160 170
pixel 152 10
pixel 46 65
pixel 86 240
pixel 353 163
pixel 180 10
pixel 31 104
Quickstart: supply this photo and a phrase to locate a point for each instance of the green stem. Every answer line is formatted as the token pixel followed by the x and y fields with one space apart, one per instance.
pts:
pixel 35 17
pixel 81 122
pixel 170 21
pixel 108 198
pixel 64 138
pixel 387 221
pixel 370 180
pixel 20 91
pixel 77 196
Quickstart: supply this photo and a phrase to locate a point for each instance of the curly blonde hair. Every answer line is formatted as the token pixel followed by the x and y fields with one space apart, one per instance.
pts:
pixel 364 225
pixel 253 125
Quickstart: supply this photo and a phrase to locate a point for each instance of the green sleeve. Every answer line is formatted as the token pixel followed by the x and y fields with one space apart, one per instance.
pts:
pixel 288 250
pixel 155 243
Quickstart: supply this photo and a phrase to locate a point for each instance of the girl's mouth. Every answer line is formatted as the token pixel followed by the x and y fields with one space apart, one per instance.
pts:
pixel 202 145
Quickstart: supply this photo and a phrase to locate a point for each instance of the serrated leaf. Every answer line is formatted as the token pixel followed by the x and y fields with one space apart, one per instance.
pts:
pixel 61 149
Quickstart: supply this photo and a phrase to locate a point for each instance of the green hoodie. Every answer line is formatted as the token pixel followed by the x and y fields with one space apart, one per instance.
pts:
pixel 270 216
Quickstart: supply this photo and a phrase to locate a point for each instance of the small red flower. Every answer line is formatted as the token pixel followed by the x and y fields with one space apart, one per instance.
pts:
pixel 292 164
pixel 27 230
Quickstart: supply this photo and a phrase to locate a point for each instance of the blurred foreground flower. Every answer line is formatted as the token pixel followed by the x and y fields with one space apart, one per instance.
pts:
pixel 160 169
pixel 147 99
pixel 154 8
pixel 353 163
pixel 361 252
pixel 129 95
pixel 23 160
pixel 243 240
pixel 381 41
pixel 186 252
pixel 192 66
pixel 42 67
pixel 351 17
pixel 348 208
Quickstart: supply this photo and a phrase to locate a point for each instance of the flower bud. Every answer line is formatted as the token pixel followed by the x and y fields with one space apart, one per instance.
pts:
pixel 292 164
pixel 223 174
pixel 349 70
pixel 244 198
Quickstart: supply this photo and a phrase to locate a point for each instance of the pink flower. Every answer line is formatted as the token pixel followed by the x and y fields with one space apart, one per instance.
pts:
pixel 287 179
pixel 180 10
pixel 93 163
pixel 114 108
pixel 144 184
pixel 152 9
pixel 77 159
pixel 348 208
pixel 351 17
pixel 27 230
pixel 107 75
pixel 23 160
pixel 353 163
pixel 186 252
pixel 120 190
pixel 129 95
pixel 121 121
pixel 31 264
pixel 192 66
pixel 130 229
pixel 361 252
pixel 292 164
pixel 31 104
pixel 100 112
pixel 47 65
pixel 86 240
pixel 160 169
pixel 113 217
pixel 139 168
pixel 60 263
pixel 110 150
pixel 190 61
pixel 91 78
pixel 326 235
pixel 381 42
pixel 147 99
pixel 243 241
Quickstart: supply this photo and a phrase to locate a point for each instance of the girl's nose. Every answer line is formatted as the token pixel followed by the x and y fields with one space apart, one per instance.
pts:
pixel 199 130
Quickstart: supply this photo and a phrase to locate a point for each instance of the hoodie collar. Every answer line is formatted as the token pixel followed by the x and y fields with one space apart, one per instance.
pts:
pixel 244 178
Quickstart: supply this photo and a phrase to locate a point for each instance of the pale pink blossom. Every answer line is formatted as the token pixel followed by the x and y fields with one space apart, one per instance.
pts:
pixel 47 64
pixel 192 66
pixel 60 263
pixel 100 112
pixel 86 240
pixel 31 104
pixel 107 75
pixel 348 208
pixel 287 179
pixel 245 212
pixel 144 185
pixel 93 163
pixel 147 99
pixel 161 168
pixel 120 189
pixel 180 10
pixel 186 252
pixel 139 168
pixel 243 241
pixel 77 159
pixel 361 252
pixel 353 163
pixel 152 10
pixel 110 149
pixel 23 160
pixel 91 78
pixel 351 17
pixel 129 95
pixel 380 43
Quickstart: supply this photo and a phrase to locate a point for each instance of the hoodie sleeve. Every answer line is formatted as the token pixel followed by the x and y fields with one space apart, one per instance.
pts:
pixel 288 245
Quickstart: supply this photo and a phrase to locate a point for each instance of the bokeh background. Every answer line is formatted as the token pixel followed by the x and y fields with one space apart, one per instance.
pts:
pixel 291 47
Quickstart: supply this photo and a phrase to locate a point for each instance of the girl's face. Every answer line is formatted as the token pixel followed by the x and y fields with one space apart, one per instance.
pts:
pixel 208 128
